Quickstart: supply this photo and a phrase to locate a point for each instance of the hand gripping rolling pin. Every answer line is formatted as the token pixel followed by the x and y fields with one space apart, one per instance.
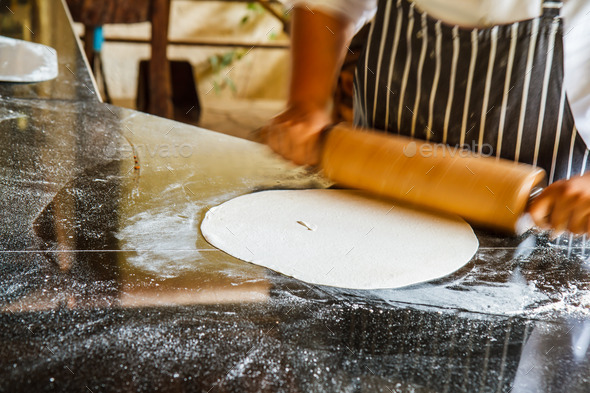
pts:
pixel 486 191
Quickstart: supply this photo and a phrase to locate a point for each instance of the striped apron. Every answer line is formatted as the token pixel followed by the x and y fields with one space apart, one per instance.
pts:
pixel 496 91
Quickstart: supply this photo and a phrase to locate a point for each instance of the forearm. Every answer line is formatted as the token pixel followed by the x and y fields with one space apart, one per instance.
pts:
pixel 318 46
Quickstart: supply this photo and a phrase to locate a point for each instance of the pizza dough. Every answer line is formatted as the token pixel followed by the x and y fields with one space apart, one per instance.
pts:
pixel 340 238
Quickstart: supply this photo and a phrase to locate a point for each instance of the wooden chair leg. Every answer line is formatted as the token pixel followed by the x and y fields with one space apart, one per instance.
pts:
pixel 160 86
pixel 89 44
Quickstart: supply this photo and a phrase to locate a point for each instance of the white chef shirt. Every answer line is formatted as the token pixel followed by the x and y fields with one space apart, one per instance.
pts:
pixel 485 13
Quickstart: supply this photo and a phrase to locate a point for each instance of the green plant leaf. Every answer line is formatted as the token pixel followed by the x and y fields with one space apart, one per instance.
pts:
pixel 254 6
pixel 214 61
pixel 231 84
pixel 227 58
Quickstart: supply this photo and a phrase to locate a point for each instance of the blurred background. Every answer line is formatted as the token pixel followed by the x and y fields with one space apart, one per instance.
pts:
pixel 219 64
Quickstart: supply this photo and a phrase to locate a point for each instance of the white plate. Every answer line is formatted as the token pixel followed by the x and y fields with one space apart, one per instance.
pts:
pixel 23 61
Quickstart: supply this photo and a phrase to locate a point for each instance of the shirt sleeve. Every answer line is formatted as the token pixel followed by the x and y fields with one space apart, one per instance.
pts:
pixel 577 62
pixel 358 11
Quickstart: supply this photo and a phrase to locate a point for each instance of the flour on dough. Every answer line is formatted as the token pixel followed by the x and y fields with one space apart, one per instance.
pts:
pixel 340 238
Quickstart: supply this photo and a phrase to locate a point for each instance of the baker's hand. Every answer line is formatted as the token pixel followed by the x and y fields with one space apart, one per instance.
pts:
pixel 295 133
pixel 564 205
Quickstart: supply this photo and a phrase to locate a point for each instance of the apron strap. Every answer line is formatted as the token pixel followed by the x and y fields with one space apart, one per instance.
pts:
pixel 552 8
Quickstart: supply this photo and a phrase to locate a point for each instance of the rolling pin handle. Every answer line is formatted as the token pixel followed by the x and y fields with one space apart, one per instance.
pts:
pixel 525 222
pixel 535 192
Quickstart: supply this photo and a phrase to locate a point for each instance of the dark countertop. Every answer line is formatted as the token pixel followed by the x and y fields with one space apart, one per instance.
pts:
pixel 106 283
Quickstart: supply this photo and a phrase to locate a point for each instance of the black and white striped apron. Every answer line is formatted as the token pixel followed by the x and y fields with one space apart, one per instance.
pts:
pixel 498 91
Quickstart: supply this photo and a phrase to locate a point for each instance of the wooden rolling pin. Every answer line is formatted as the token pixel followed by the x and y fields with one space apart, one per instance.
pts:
pixel 486 191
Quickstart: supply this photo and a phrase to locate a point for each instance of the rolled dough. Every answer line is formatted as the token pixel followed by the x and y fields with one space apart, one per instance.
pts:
pixel 340 238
